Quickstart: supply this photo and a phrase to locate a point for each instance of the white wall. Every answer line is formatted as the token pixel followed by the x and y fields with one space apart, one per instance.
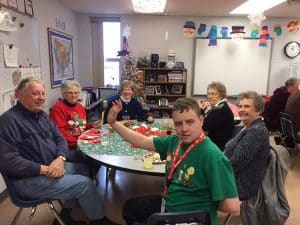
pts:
pixel 148 36
pixel 45 12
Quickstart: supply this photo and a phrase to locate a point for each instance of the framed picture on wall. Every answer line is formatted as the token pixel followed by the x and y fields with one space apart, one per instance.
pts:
pixel 12 3
pixel 28 7
pixel 61 57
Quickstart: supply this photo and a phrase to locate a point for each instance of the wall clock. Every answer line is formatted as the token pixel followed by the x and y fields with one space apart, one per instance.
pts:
pixel 292 49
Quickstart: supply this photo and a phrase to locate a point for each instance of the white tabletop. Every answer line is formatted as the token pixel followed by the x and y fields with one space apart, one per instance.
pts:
pixel 129 164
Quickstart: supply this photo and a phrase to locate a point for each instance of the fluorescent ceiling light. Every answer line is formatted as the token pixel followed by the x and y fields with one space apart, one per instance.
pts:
pixel 149 6
pixel 255 6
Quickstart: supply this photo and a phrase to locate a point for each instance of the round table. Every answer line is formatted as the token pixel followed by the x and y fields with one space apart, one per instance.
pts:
pixel 114 152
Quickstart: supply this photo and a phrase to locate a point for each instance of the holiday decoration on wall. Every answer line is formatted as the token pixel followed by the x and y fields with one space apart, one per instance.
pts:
pixel 201 29
pixel 264 36
pixel 224 32
pixel 212 35
pixel 277 29
pixel 254 31
pixel 189 28
pixel 293 26
pixel 237 33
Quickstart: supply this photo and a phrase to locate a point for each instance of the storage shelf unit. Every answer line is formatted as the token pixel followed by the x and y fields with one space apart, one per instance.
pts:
pixel 162 88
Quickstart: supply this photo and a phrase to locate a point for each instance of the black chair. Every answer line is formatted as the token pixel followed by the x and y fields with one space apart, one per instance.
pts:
pixel 27 203
pixel 195 217
pixel 289 138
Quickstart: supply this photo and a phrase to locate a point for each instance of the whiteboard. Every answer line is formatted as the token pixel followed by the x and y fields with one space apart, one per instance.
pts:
pixel 239 65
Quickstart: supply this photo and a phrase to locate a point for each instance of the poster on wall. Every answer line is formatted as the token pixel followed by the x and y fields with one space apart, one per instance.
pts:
pixel 294 69
pixel 61 57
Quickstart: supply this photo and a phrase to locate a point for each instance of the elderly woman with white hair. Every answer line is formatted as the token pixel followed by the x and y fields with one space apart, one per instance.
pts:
pixel 70 117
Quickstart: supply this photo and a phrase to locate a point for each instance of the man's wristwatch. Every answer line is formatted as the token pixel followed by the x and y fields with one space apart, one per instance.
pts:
pixel 62 157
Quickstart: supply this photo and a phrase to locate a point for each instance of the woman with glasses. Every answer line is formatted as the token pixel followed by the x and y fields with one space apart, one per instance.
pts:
pixel 70 117
pixel 219 120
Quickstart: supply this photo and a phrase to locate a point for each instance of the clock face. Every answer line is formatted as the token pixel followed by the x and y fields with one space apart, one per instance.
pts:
pixel 292 49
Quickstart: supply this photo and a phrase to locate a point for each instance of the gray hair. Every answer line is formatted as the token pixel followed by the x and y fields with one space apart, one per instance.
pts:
pixel 185 104
pixel 68 84
pixel 294 81
pixel 220 87
pixel 257 99
pixel 23 84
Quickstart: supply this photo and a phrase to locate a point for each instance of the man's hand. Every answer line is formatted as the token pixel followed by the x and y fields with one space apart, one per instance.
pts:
pixel 114 111
pixel 56 168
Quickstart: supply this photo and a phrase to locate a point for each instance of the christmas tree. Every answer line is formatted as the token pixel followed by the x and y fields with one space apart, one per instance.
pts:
pixel 129 71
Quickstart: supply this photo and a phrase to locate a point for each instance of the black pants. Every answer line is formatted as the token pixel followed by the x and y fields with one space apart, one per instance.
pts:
pixel 138 210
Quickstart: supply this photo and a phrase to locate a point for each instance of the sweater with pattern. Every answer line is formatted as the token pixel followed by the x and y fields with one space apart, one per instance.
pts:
pixel 248 153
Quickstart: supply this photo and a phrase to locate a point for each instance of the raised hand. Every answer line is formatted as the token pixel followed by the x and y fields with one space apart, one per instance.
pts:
pixel 114 111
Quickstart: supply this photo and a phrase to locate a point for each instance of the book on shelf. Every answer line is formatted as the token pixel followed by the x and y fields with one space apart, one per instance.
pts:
pixel 175 76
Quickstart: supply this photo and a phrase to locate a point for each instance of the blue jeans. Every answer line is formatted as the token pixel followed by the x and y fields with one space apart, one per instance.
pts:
pixel 74 185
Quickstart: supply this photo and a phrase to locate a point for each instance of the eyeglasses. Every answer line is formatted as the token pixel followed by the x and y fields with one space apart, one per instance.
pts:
pixel 72 93
pixel 212 93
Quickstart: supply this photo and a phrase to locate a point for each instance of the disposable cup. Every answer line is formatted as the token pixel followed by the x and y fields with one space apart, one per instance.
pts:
pixel 148 162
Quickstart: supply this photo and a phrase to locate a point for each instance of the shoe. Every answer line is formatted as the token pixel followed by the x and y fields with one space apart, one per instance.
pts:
pixel 103 221
pixel 65 215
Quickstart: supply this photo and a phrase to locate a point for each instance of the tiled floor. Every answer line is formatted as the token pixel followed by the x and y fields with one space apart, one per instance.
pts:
pixel 124 185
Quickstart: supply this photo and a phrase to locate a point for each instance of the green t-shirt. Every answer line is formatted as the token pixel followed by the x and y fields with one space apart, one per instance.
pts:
pixel 204 177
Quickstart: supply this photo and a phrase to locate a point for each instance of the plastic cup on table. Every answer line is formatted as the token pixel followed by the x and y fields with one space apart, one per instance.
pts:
pixel 148 162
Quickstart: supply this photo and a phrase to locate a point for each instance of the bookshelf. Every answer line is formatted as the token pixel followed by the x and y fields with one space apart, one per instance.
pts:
pixel 162 88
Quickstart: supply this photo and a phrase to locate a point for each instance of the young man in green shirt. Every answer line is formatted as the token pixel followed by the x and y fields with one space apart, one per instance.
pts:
pixel 198 175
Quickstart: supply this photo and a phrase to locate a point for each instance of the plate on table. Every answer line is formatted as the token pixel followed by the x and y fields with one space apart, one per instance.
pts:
pixel 92 141
pixel 87 137
pixel 128 122
pixel 156 157
pixel 95 132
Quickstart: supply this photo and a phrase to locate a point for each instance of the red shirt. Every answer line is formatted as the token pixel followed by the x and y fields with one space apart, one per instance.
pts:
pixel 71 121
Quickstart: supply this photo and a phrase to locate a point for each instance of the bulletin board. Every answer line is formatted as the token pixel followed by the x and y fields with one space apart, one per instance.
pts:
pixel 26 39
pixel 240 65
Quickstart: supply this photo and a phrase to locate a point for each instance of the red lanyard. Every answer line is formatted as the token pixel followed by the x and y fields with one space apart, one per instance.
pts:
pixel 176 161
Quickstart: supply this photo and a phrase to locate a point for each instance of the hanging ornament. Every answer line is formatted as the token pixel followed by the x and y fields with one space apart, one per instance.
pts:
pixel 201 29
pixel 189 28
pixel 277 29
pixel 264 36
pixel 256 18
pixel 293 26
pixel 212 35
pixel 224 32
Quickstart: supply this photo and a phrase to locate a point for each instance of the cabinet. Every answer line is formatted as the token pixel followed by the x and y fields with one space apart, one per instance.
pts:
pixel 162 88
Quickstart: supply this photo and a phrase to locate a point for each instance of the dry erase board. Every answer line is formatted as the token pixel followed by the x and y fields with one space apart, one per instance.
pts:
pixel 26 39
pixel 240 65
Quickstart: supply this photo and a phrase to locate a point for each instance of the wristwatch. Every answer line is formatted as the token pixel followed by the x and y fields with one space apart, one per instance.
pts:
pixel 62 157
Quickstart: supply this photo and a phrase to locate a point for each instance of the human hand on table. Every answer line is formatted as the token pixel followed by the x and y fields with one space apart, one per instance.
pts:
pixel 114 111
pixel 97 124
